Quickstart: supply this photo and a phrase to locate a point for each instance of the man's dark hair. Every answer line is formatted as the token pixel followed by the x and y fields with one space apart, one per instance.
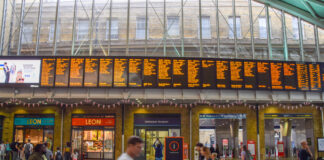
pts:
pixel 199 145
pixel 5 63
pixel 38 148
pixel 57 148
pixel 29 140
pixel 133 140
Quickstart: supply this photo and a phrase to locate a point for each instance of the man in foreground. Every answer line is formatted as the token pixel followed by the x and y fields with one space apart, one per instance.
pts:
pixel 134 148
pixel 38 153
pixel 305 153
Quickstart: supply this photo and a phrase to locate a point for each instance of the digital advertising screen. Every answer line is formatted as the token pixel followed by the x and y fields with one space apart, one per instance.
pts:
pixel 19 71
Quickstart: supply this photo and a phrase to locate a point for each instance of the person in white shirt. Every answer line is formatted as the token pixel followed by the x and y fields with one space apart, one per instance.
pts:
pixel 28 149
pixel 134 148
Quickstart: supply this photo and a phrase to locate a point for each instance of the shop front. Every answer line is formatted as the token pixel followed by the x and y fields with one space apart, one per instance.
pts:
pixel 37 128
pixel 94 136
pixel 151 127
pixel 285 132
pixel 227 132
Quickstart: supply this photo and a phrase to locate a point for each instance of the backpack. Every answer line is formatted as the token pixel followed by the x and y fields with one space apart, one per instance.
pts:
pixel 27 148
pixel 58 156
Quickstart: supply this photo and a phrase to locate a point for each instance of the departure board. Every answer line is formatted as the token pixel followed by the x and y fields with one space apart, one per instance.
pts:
pixel 263 74
pixel 135 72
pixel 277 78
pixel 164 73
pixel 120 72
pixel 250 72
pixel 91 72
pixel 302 76
pixel 222 74
pixel 106 72
pixel 290 76
pixel 236 74
pixel 48 72
pixel 62 72
pixel 150 72
pixel 193 68
pixel 76 72
pixel 208 73
pixel 179 75
pixel 315 77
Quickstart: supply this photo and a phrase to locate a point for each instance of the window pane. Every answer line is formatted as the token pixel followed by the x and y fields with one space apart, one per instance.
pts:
pixel 205 23
pixel 292 37
pixel 262 28
pixel 27 36
pixel 173 26
pixel 83 29
pixel 231 27
pixel 140 28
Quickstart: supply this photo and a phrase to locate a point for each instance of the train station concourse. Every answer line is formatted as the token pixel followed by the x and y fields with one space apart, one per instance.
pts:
pixel 224 74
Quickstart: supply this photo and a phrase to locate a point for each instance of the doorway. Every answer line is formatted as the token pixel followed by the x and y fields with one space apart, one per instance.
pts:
pixel 36 136
pixel 94 143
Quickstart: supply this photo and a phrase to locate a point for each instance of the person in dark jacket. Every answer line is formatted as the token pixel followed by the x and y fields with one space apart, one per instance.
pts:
pixel 39 153
pixel 158 150
pixel 198 148
pixel 304 153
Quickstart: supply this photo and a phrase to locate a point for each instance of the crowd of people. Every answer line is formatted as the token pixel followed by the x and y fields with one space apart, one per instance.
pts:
pixel 42 151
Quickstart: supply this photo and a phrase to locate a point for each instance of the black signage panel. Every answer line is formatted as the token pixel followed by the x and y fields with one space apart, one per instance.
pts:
pixel 302 76
pixel 223 74
pixel 277 76
pixel 179 75
pixel 62 72
pixel 250 75
pixel 76 72
pixel 91 72
pixel 208 73
pixel 194 75
pixel 48 72
pixel 263 74
pixel 236 74
pixel 173 148
pixel 106 72
pixel 164 73
pixel 150 68
pixel 120 72
pixel 135 66
pixel 290 76
pixel 314 77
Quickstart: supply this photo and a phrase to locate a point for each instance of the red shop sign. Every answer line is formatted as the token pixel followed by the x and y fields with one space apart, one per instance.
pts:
pixel 93 121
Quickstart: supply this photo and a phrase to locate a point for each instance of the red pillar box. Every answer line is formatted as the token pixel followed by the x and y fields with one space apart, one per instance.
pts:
pixel 251 148
pixel 281 151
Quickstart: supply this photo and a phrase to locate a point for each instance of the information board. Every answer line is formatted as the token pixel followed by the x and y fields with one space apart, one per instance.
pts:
pixel 91 72
pixel 150 72
pixel 173 148
pixel 120 72
pixel 277 77
pixel 135 66
pixel 208 73
pixel 302 76
pixel 250 79
pixel 263 74
pixel 222 74
pixel 164 73
pixel 179 73
pixel 290 76
pixel 315 77
pixel 106 72
pixel 194 75
pixel 62 72
pixel 76 72
pixel 48 72
pixel 236 74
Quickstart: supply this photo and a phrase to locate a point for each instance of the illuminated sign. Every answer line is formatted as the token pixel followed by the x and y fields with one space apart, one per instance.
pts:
pixel 34 121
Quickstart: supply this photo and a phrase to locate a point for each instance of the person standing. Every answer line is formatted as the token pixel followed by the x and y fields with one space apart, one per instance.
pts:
pixel 134 148
pixel 197 149
pixel 217 151
pixel 8 150
pixel 245 154
pixel 158 150
pixel 28 149
pixel 7 72
pixel 49 153
pixel 2 150
pixel 305 153
pixel 14 149
pixel 67 151
pixel 75 155
pixel 205 151
pixel 39 153
pixel 58 154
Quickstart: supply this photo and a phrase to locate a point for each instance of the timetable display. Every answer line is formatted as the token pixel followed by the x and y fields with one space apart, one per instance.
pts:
pixel 263 74
pixel 106 72
pixel 135 72
pixel 236 74
pixel 76 72
pixel 150 72
pixel 222 74
pixel 302 76
pixel 62 72
pixel 164 72
pixel 290 76
pixel 208 73
pixel 120 72
pixel 193 73
pixel 179 73
pixel 314 77
pixel 91 72
pixel 250 72
pixel 277 76
pixel 48 72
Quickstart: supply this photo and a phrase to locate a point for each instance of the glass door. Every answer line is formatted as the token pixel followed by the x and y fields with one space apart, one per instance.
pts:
pixel 35 135
pixel 92 145
pixel 19 135
pixel 77 141
pixel 109 138
pixel 151 137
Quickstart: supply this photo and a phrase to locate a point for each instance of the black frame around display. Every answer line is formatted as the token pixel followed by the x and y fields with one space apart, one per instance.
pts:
pixel 185 84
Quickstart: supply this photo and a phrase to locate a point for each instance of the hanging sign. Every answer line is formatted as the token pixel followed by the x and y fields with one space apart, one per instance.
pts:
pixel 174 148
